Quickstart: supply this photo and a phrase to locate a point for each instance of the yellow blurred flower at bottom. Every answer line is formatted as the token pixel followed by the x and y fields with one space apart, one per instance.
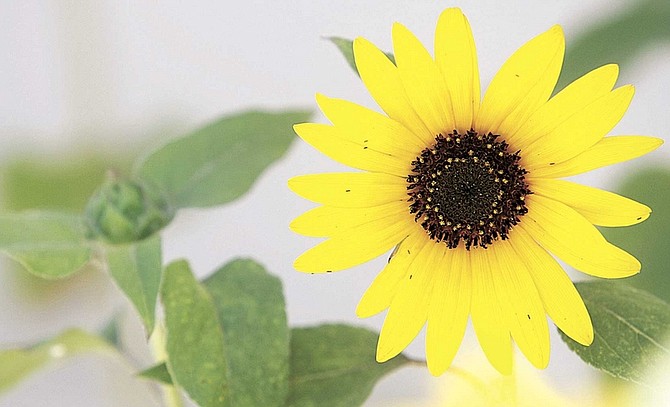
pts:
pixel 477 385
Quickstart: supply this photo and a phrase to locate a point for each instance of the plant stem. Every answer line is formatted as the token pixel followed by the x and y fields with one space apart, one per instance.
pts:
pixel 172 396
pixel 171 393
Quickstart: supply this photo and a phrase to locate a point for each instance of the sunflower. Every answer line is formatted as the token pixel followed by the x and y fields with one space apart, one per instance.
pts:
pixel 470 193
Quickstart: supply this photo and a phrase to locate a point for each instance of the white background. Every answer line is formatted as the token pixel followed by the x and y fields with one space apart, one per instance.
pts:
pixel 77 74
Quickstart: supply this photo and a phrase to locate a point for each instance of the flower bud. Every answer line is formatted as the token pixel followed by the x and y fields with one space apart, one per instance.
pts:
pixel 122 211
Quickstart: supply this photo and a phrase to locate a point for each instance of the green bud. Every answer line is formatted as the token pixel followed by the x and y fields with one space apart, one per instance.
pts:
pixel 123 210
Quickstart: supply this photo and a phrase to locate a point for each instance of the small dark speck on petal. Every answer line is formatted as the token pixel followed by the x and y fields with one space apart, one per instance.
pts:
pixel 528 315
pixel 410 276
pixel 365 141
pixel 639 217
pixel 347 190
pixel 552 163
pixel 516 74
pixel 329 271
pixel 408 251
pixel 365 148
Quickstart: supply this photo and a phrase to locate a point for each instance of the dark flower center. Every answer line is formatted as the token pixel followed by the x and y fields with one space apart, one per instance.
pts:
pixel 467 187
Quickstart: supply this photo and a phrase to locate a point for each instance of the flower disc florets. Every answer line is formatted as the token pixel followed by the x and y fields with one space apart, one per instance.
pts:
pixel 467 187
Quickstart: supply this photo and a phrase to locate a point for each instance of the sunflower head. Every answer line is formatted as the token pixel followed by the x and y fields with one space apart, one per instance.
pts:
pixel 469 192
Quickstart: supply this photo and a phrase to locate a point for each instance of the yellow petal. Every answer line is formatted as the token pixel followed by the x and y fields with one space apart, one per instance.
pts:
pixel 559 296
pixel 356 244
pixel 608 151
pixel 449 309
pixel 409 308
pixel 321 216
pixel 330 221
pixel 370 129
pixel 350 189
pixel 564 232
pixel 382 79
pixel 579 132
pixel 575 97
pixel 487 318
pixel 523 84
pixel 379 295
pixel 331 142
pixel 456 56
pixel 597 206
pixel 520 303
pixel 422 81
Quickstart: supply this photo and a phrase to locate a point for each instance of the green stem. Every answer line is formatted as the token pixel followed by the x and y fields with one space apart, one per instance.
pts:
pixel 172 396
pixel 171 393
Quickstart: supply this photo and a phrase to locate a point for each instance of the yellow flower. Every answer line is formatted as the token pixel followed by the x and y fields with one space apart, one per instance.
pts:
pixel 468 193
pixel 477 385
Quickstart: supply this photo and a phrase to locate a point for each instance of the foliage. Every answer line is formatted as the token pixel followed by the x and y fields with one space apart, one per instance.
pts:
pixel 210 166
pixel 227 338
pixel 16 364
pixel 630 326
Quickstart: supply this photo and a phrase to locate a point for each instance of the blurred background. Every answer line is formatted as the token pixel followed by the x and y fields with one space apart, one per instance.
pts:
pixel 87 86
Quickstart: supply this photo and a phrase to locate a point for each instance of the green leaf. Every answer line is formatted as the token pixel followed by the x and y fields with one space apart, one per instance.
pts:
pixel 251 309
pixel 346 47
pixel 17 364
pixel 48 244
pixel 630 328
pixel 110 333
pixel 334 365
pixel 157 373
pixel 195 349
pixel 618 39
pixel 219 162
pixel 65 183
pixel 136 268
pixel 648 241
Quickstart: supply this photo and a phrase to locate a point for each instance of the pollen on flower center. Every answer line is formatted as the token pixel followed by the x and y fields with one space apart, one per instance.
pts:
pixel 467 187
